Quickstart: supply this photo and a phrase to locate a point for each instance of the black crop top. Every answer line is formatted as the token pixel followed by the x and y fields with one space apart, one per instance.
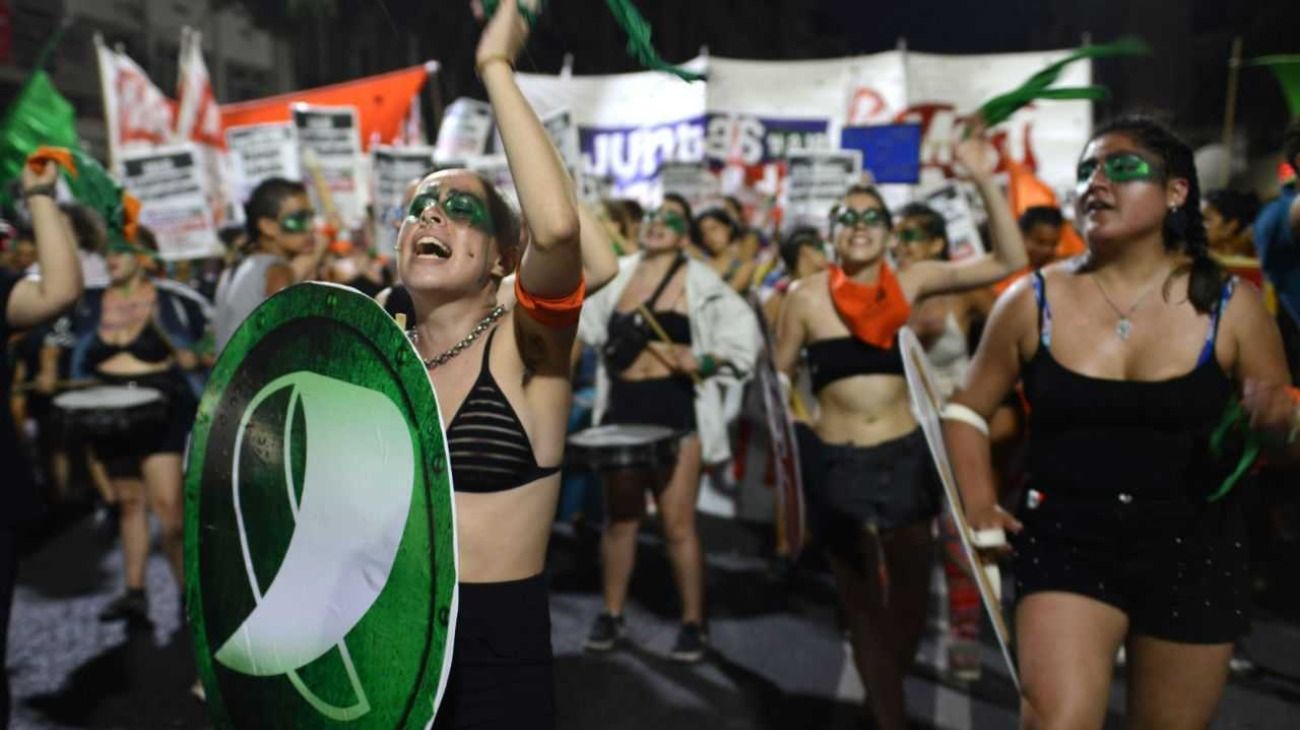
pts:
pixel 148 346
pixel 490 451
pixel 676 325
pixel 845 357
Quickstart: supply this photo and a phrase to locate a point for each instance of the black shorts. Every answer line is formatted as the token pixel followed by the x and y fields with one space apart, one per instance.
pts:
pixel 1177 567
pixel 882 487
pixel 502 674
pixel 667 402
pixel 122 455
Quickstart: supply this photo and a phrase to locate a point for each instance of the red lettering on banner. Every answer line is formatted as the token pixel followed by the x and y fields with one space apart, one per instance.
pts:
pixel 939 122
pixel 143 114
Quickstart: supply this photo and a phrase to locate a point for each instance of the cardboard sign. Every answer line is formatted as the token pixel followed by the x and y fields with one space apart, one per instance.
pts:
pixel 170 183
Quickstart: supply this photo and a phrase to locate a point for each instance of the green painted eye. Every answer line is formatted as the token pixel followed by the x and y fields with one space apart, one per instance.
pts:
pixel 421 202
pixel 1085 171
pixel 1127 168
pixel 871 217
pixel 299 222
pixel 467 208
pixel 913 235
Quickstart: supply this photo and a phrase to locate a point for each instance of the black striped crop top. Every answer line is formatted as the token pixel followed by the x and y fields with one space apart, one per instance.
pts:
pixel 490 451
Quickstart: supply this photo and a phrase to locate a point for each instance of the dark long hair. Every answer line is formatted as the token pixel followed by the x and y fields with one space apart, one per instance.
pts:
pixel 692 225
pixel 1184 228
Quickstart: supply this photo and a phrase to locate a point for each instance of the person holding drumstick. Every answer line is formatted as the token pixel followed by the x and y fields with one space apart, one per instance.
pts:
pixel 26 303
pixel 879 491
pixel 130 334
pixel 671 333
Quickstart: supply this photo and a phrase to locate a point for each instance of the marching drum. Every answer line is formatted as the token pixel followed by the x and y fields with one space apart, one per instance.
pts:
pixel 623 446
pixel 110 411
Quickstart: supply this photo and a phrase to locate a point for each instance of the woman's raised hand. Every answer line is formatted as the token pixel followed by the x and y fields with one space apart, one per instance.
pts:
pixel 505 34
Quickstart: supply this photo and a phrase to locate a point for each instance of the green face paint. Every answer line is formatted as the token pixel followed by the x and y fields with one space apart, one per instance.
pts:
pixel 122 247
pixel 1123 167
pixel 459 205
pixel 670 219
pixel 299 222
pixel 913 235
pixel 873 217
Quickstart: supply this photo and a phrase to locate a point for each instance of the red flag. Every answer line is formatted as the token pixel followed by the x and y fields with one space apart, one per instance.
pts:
pixel 381 101
pixel 139 116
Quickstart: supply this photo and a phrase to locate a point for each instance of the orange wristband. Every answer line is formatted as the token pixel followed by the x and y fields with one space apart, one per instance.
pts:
pixel 555 313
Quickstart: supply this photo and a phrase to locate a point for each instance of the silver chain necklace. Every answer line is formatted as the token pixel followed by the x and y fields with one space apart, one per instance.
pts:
pixel 1124 327
pixel 482 326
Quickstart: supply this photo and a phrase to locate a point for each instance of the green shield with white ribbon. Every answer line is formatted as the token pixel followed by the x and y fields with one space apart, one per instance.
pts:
pixel 320 554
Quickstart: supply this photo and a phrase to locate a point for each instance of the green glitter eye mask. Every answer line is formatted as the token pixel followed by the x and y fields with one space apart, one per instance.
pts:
pixel 458 205
pixel 913 235
pixel 116 246
pixel 1119 168
pixel 299 222
pixel 849 218
pixel 670 219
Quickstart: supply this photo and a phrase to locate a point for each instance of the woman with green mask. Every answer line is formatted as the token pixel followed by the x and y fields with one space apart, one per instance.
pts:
pixel 672 334
pixel 139 333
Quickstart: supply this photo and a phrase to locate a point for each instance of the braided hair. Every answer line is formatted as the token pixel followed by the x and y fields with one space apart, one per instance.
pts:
pixel 1184 227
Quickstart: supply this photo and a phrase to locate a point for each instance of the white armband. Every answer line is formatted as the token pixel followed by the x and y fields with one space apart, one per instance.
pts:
pixel 959 412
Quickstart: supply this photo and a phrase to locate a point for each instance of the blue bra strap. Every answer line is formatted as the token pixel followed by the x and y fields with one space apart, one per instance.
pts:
pixel 1044 310
pixel 1212 336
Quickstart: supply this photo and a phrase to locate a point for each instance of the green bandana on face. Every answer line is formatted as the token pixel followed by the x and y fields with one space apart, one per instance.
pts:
pixel 671 220
pixel 849 218
pixel 1122 167
pixel 460 206
pixel 299 222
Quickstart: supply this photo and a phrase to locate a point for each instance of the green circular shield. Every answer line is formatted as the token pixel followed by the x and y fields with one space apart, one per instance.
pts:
pixel 320 562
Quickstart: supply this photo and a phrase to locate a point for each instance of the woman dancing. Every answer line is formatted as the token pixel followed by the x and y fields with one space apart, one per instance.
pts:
pixel 1129 356
pixel 502 377
pixel 879 492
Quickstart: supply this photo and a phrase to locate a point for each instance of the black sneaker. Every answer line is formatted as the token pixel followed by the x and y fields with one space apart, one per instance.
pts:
pixel 605 633
pixel 132 606
pixel 691 644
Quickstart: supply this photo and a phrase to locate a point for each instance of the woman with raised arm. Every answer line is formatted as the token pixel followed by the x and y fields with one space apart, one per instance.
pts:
pixel 1129 355
pixel 502 378
pixel 879 491
pixel 26 303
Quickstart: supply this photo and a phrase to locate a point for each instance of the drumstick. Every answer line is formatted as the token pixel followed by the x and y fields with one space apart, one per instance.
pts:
pixel 58 385
pixel 663 337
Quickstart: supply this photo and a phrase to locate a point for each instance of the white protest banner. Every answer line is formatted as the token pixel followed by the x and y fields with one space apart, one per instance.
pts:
pixel 393 168
pixel 816 182
pixel 465 130
pixel 329 144
pixel 1046 136
pixel 691 180
pixel 258 152
pixel 628 124
pixel 951 201
pixel 173 202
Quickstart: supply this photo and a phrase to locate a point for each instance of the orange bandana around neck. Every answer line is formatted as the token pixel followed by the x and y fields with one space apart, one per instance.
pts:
pixel 874 314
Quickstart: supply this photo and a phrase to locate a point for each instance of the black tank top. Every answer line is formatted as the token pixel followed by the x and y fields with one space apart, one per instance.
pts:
pixel 1102 436
pixel 490 451
pixel 845 357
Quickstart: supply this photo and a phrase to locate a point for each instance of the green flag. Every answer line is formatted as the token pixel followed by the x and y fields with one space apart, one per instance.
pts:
pixel 1287 70
pixel 39 116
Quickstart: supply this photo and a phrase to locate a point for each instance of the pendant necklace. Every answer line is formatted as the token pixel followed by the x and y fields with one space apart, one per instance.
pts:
pixel 1124 327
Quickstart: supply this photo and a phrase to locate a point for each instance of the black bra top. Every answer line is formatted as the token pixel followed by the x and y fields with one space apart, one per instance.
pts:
pixel 148 346
pixel 1137 436
pixel 845 357
pixel 490 451
pixel 676 325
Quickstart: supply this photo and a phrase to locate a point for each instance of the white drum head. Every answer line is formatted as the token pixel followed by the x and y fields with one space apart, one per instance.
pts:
pixel 107 397
pixel 620 434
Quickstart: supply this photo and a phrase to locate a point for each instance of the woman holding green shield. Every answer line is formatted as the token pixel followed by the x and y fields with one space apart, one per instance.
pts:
pixel 503 383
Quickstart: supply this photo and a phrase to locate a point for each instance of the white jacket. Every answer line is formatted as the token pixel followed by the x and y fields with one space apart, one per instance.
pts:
pixel 722 325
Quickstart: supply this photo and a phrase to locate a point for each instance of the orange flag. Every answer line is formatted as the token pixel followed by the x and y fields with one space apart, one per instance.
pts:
pixel 382 103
